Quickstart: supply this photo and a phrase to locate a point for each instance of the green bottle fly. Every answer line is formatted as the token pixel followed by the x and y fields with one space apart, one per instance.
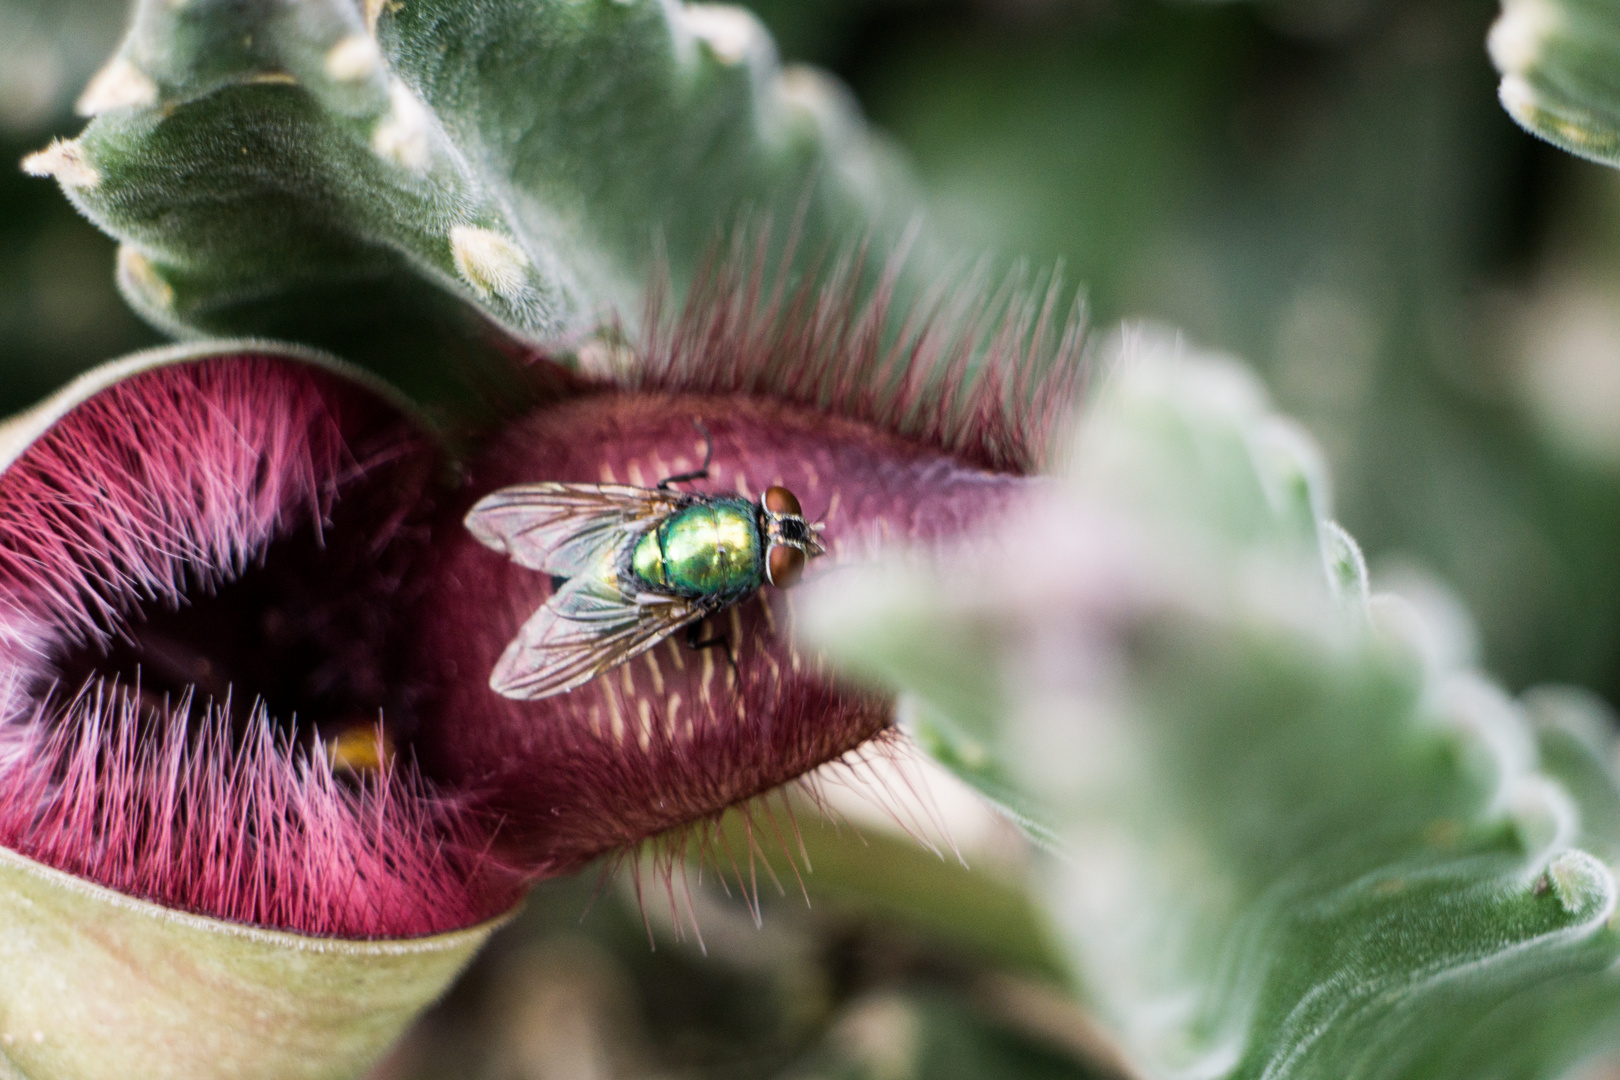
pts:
pixel 633 565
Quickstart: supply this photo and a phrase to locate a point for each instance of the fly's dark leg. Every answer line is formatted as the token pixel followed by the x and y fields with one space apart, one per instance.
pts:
pixel 697 643
pixel 700 474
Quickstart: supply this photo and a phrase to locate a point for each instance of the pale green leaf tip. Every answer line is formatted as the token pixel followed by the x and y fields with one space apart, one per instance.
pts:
pixel 65 161
pixel 355 58
pixel 1584 886
pixel 491 263
pixel 733 34
pixel 1519 37
pixel 118 85
pixel 1346 565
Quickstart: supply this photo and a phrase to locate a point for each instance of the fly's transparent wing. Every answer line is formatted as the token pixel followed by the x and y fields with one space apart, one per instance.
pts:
pixel 586 627
pixel 566 529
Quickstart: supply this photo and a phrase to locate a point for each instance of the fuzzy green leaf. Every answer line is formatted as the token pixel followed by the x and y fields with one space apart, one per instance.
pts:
pixel 359 177
pixel 1295 840
pixel 1560 65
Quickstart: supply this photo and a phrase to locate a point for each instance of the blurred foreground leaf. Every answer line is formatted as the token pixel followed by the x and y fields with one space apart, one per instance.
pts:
pixel 1295 838
pixel 802 994
pixel 914 1034
pixel 1355 217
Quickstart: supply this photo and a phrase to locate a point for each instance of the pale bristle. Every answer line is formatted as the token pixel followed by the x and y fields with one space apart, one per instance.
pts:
pixel 885 773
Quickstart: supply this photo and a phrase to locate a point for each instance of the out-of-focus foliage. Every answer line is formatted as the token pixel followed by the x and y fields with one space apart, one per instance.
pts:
pixel 47 51
pixel 836 988
pixel 1560 65
pixel 1331 191
pixel 1295 838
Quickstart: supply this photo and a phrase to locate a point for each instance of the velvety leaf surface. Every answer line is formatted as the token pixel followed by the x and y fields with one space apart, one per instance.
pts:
pixel 97 986
pixel 1560 65
pixel 349 176
pixel 1294 837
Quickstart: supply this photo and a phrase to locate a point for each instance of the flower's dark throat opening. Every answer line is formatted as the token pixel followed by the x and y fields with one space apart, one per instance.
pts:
pixel 203 570
pixel 305 637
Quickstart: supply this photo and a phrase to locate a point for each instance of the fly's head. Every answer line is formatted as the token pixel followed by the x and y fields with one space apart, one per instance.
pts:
pixel 789 539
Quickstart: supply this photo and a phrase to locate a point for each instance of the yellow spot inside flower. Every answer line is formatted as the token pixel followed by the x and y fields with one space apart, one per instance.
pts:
pixel 361 749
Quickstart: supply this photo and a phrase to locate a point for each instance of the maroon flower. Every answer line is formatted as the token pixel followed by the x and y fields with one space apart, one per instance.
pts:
pixel 246 638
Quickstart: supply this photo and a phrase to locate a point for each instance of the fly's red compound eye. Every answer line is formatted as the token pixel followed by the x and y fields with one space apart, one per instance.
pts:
pixel 783 564
pixel 779 500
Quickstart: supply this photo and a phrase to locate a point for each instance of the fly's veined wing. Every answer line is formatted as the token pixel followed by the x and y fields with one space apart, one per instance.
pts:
pixel 566 529
pixel 586 627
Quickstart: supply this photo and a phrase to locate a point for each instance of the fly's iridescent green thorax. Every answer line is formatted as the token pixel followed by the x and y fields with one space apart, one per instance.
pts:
pixel 710 549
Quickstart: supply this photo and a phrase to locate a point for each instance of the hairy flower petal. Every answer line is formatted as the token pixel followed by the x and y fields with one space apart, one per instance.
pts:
pixel 199 562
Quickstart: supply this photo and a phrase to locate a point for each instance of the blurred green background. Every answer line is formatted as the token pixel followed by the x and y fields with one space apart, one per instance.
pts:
pixel 1326 188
